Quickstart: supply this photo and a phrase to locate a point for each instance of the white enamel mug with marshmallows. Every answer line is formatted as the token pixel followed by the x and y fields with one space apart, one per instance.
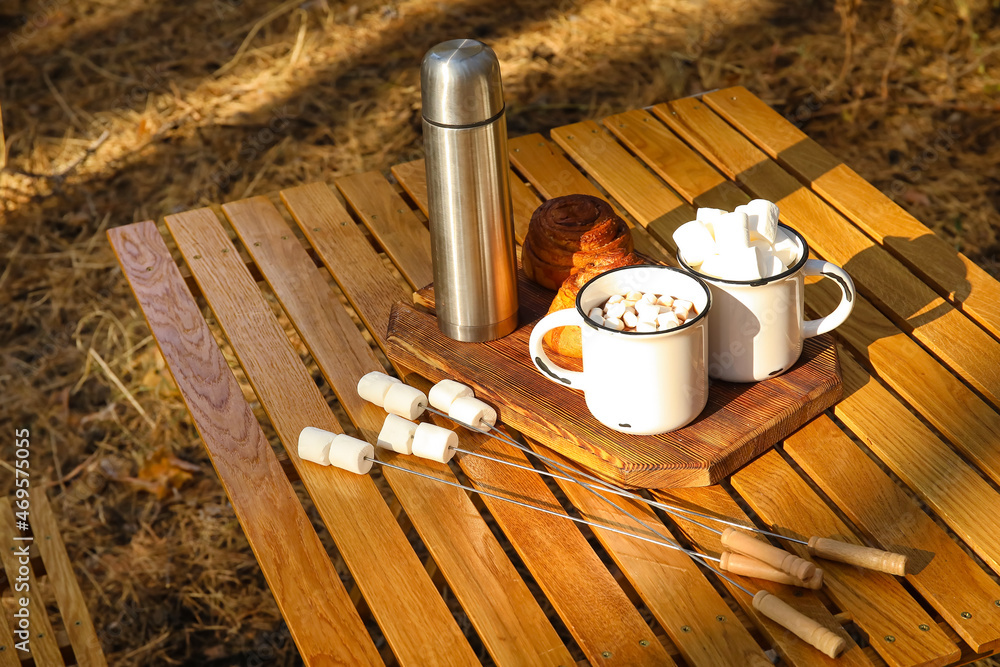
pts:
pixel 757 327
pixel 640 383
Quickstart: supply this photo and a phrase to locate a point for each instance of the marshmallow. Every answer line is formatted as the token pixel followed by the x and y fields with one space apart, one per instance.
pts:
pixel 597 315
pixel 770 265
pixel 614 323
pixel 786 248
pixel 707 217
pixel 434 443
pixel 350 454
pixel 667 320
pixel 630 318
pixel 633 296
pixel 763 218
pixel 694 242
pixel 665 300
pixel 732 232
pixel 714 265
pixel 314 445
pixel 444 393
pixel 742 264
pixel 473 412
pixel 682 310
pixel 645 327
pixel 397 434
pixel 647 311
pixel 373 386
pixel 615 310
pixel 406 401
pixel 648 297
pixel 615 298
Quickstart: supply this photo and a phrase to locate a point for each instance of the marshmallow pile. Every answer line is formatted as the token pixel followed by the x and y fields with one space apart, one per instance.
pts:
pixel 399 432
pixel 640 312
pixel 746 244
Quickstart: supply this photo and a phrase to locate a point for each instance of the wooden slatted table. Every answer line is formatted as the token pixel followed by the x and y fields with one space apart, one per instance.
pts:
pixel 909 460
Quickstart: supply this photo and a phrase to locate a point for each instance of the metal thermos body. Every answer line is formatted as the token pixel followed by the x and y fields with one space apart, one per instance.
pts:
pixel 468 191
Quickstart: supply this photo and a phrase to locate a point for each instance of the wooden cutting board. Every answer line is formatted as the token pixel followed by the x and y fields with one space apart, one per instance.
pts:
pixel 740 421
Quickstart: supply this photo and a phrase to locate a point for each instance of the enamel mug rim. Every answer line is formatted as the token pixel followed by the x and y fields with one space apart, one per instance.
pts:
pixel 687 323
pixel 790 271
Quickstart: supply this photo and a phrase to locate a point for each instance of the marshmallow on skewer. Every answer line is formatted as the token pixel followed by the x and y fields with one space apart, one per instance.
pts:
pixel 694 241
pixel 373 386
pixel 314 445
pixel 351 454
pixel 444 393
pixel 763 218
pixel 434 443
pixel 397 434
pixel 473 412
pixel 406 401
pixel 732 232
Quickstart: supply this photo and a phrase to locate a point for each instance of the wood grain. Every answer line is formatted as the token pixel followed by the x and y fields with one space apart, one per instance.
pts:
pixel 404 601
pixel 392 223
pixel 938 568
pixel 8 656
pixel 740 421
pixel 931 468
pixel 598 615
pixel 715 501
pixel 326 629
pixel 952 274
pixel 62 579
pixel 672 586
pixel 904 298
pixel 42 643
pixel 876 601
pixel 315 207
pixel 552 174
pixel 506 616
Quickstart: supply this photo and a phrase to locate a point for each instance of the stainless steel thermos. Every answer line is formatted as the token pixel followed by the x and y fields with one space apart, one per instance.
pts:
pixel 468 191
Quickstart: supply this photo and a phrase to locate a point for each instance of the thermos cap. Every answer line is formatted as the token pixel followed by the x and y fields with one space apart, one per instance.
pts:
pixel 460 83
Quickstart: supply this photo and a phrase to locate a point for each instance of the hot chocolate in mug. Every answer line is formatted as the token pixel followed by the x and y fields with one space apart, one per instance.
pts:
pixel 757 327
pixel 644 383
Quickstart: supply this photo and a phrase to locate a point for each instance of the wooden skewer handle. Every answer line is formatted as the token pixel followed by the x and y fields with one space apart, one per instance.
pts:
pixel 804 627
pixel 746 566
pixel 778 558
pixel 866 557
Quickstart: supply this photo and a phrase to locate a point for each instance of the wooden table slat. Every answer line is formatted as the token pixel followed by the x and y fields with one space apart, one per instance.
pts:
pixel 326 629
pixel 413 616
pixel 42 644
pixel 61 577
pixel 599 615
pixel 927 465
pixel 492 593
pixel 392 223
pixel 912 305
pixel 952 274
pixel 876 601
pixel 969 422
pixel 939 569
pixel 715 501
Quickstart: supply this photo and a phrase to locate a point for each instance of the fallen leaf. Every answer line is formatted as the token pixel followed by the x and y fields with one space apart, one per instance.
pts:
pixel 163 472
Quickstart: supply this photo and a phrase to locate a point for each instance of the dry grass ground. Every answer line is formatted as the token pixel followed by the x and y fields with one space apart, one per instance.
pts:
pixel 122 111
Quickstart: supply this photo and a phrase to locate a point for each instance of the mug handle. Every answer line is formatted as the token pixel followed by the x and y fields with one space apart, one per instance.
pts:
pixel 818 267
pixel 568 317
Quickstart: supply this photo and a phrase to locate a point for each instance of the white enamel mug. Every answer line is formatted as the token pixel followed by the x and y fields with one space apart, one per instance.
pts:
pixel 640 383
pixel 757 327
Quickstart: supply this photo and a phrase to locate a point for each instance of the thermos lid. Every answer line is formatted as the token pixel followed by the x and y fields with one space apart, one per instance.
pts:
pixel 460 83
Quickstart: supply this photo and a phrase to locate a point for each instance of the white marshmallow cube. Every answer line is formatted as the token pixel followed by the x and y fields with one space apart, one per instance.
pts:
pixel 314 445
pixel 667 320
pixel 614 323
pixel 694 242
pixel 406 401
pixel 770 265
pixel 615 310
pixel 645 327
pixel 615 298
pixel 648 297
pixel 786 248
pixel 665 300
pixel 633 296
pixel 647 311
pixel 397 434
pixel 473 412
pixel 630 318
pixel 732 232
pixel 741 264
pixel 763 218
pixel 373 386
pixel 714 265
pixel 707 217
pixel 434 443
pixel 682 310
pixel 351 454
pixel 597 315
pixel 443 394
